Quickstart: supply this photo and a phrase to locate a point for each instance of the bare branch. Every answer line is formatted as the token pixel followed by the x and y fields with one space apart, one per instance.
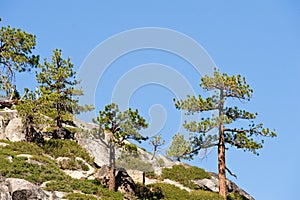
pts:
pixel 232 174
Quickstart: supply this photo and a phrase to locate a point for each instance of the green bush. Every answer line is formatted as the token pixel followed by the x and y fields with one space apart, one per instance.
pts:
pixel 204 195
pixel 78 196
pixel 68 185
pixel 236 196
pixel 66 148
pixel 151 175
pixel 171 192
pixel 84 167
pixel 106 194
pixel 184 175
pixel 40 170
pixel 133 161
pixel 23 147
pixel 161 162
pixel 148 192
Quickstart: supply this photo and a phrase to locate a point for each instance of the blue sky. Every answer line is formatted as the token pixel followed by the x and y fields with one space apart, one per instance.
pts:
pixel 257 39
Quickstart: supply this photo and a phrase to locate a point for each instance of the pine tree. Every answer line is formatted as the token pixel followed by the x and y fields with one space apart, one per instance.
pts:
pixel 248 138
pixel 121 126
pixel 31 109
pixel 15 56
pixel 156 141
pixel 57 84
pixel 179 147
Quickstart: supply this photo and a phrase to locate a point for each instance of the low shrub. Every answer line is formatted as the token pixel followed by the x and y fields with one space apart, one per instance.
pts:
pixel 42 168
pixel 106 194
pixel 68 185
pixel 151 175
pixel 66 148
pixel 204 195
pixel 39 170
pixel 184 175
pixel 78 196
pixel 171 192
pixel 148 192
pixel 236 196
pixel 134 162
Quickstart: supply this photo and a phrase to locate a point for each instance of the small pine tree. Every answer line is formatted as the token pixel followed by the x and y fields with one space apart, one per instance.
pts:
pixel 122 126
pixel 179 147
pixel 31 110
pixel 156 141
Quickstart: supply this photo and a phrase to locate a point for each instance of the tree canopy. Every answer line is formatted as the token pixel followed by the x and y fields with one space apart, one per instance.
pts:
pixel 122 125
pixel 16 48
pixel 179 147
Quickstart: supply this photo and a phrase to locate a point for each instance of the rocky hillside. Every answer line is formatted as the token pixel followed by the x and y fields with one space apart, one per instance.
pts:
pixel 64 169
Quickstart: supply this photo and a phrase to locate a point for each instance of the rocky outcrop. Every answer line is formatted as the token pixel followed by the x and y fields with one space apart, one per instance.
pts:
pixel 13 131
pixel 19 189
pixel 96 149
pixel 64 162
pixel 212 184
pixel 11 125
pixel 137 175
pixel 124 182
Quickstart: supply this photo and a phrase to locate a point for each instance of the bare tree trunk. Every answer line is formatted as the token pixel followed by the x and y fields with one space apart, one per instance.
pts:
pixel 112 179
pixel 12 93
pixel 112 162
pixel 154 151
pixel 221 164
pixel 221 151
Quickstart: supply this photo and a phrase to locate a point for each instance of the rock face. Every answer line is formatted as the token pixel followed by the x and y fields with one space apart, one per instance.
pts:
pixel 19 189
pixel 212 184
pixel 124 182
pixel 97 149
pixel 10 125
pixel 13 130
pixel 137 176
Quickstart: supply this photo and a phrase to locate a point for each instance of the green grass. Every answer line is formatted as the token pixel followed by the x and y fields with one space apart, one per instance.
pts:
pixel 185 175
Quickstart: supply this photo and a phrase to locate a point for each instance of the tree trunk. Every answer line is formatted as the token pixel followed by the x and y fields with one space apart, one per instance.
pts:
pixel 112 179
pixel 112 162
pixel 221 164
pixel 154 151
pixel 221 150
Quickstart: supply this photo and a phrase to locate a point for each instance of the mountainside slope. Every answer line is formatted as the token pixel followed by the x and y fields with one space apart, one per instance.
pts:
pixel 58 169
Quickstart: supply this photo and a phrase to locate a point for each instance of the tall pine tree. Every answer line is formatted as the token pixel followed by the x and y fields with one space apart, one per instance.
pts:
pixel 248 138
pixel 57 84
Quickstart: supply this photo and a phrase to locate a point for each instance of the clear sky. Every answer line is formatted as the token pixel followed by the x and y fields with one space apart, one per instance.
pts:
pixel 257 39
